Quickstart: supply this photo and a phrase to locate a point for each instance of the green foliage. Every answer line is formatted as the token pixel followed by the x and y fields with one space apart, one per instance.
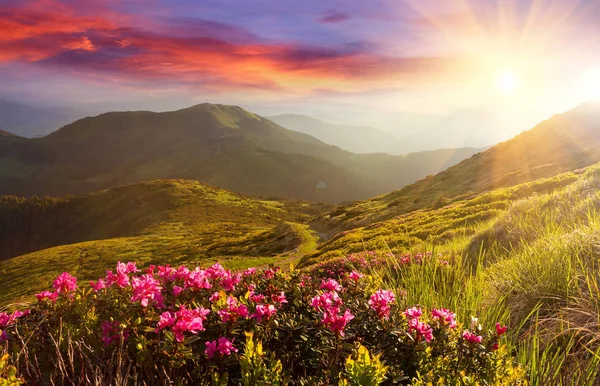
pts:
pixel 259 369
pixel 363 369
pixel 8 373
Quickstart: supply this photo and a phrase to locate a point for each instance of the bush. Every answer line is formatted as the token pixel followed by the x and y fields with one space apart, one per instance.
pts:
pixel 260 327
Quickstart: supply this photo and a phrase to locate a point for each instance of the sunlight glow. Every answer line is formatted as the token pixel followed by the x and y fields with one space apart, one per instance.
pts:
pixel 507 82
pixel 591 83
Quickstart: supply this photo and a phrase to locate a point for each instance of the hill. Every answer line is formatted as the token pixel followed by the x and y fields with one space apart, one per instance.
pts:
pixel 221 145
pixel 563 143
pixel 357 139
pixel 159 221
pixel 6 134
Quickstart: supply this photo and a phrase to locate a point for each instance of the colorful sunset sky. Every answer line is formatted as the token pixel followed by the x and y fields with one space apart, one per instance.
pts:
pixel 387 63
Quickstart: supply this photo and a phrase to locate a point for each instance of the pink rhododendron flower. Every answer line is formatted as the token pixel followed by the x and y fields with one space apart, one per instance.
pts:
pixel 330 285
pixel 122 280
pixel 279 298
pixel 445 316
pixel 65 283
pixel 471 337
pixel 256 298
pixel 380 302
pixel 127 268
pixel 211 349
pixel 47 295
pixel 336 322
pixel 229 281
pixel 165 273
pixel 263 311
pixel 250 272
pixel 99 285
pixel 214 297
pixel 413 313
pixel 355 275
pixel 422 329
pixel 233 310
pixel 500 330
pixel 216 271
pixel 226 346
pixel 198 279
pixel 145 289
pixel 187 321
pixel 177 290
pixel 327 300
pixel 166 319
pixel 181 273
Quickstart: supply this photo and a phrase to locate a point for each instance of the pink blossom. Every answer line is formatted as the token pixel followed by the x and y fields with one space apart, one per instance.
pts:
pixel 99 285
pixel 110 278
pixel 165 273
pixel 471 337
pixel 214 297
pixel 500 330
pixel 257 298
pixel 380 302
pixel 327 300
pixel 337 322
pixel 279 298
pixel 126 268
pixel 187 321
pixel 226 346
pixel 229 281
pixel 233 310
pixel 250 272
pixel 445 316
pixel 47 295
pixel 263 311
pixel 181 273
pixel 330 285
pixel 177 290
pixel 216 271
pixel 413 313
pixel 122 280
pixel 198 279
pixel 355 275
pixel 65 283
pixel 211 349
pixel 167 319
pixel 145 289
pixel 422 329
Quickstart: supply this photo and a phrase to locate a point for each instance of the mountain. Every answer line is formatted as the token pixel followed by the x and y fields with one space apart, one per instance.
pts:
pixel 29 121
pixel 562 143
pixel 357 139
pixel 6 134
pixel 224 146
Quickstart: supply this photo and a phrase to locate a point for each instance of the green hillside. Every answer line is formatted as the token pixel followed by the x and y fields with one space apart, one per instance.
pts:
pixel 173 221
pixel 563 143
pixel 221 145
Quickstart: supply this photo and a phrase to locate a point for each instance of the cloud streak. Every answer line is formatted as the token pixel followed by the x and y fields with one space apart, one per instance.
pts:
pixel 189 51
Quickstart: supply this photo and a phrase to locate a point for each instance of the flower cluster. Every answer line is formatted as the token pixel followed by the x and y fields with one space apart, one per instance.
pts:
pixel 182 321
pixel 380 301
pixel 421 329
pixel 223 346
pixel 330 303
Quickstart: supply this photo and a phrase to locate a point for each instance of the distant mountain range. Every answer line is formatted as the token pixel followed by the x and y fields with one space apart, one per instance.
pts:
pixel 29 121
pixel 357 139
pixel 225 146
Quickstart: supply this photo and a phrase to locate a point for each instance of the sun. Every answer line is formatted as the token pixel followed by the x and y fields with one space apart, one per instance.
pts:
pixel 507 82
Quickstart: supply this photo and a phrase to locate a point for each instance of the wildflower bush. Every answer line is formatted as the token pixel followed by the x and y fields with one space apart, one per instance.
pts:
pixel 331 325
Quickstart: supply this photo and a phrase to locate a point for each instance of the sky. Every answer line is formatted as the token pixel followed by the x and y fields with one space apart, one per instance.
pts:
pixel 399 65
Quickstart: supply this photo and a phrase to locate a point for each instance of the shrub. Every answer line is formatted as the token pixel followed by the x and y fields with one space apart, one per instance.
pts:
pixel 263 327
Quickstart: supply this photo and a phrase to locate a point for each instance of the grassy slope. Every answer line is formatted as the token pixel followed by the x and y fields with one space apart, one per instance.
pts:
pixel 171 221
pixel 563 143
